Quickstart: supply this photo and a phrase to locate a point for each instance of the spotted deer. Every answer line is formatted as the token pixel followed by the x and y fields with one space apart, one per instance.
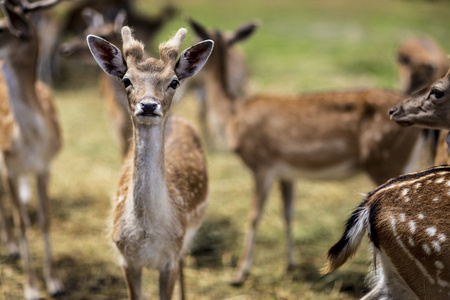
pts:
pixel 30 136
pixel 324 135
pixel 406 218
pixel 407 223
pixel 237 83
pixel 162 194
pixel 420 61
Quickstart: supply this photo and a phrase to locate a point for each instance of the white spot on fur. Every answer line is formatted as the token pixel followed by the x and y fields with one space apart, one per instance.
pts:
pixel 436 246
pixel 412 226
pixel 407 199
pixel 439 265
pixel 427 249
pixel 421 216
pixel 440 180
pixel 448 182
pixel 410 256
pixel 442 237
pixel 431 231
pixel 402 217
pixel 405 192
pixel 418 185
pixel 411 241
pixel 436 199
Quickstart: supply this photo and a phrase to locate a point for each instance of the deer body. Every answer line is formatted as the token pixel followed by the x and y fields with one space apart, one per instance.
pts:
pixel 328 135
pixel 30 138
pixel 162 195
pixel 407 222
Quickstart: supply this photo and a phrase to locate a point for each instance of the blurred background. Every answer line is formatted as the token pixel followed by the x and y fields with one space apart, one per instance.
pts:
pixel 301 46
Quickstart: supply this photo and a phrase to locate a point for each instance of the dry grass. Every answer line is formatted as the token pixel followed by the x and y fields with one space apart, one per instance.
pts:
pixel 302 46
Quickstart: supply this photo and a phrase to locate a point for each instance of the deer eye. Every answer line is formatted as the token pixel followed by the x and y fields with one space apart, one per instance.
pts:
pixel 437 93
pixel 174 84
pixel 126 82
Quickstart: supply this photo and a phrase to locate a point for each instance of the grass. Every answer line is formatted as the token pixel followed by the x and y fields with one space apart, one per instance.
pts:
pixel 302 46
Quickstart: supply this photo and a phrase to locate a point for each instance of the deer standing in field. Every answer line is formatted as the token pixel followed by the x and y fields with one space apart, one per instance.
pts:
pixel 420 61
pixel 162 194
pixel 325 135
pixel 112 90
pixel 30 136
pixel 407 218
pixel 237 85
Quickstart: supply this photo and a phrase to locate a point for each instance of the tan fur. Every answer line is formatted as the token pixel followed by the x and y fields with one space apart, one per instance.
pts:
pixel 326 135
pixel 162 194
pixel 30 139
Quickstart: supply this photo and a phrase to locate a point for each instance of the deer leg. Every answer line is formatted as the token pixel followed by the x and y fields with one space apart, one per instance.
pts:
pixel 167 279
pixel 54 285
pixel 5 228
pixel 133 279
pixel 22 220
pixel 262 187
pixel 287 194
pixel 181 278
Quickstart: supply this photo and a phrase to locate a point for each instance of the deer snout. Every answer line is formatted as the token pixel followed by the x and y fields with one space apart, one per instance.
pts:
pixel 151 109
pixel 393 111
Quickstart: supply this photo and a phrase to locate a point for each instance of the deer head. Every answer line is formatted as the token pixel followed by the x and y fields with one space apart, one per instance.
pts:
pixel 150 83
pixel 429 107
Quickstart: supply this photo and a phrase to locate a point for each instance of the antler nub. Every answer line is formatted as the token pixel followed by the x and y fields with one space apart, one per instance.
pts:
pixel 169 50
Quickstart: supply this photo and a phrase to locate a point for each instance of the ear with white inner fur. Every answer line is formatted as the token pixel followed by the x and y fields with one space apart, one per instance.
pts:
pixel 108 56
pixel 193 59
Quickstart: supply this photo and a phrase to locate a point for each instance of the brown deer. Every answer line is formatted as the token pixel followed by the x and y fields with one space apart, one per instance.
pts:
pixel 237 74
pixel 420 61
pixel 324 135
pixel 407 222
pixel 407 217
pixel 30 136
pixel 162 194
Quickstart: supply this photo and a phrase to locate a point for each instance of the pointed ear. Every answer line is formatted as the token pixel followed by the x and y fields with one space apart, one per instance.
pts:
pixel 243 33
pixel 119 21
pixel 199 30
pixel 92 18
pixel 193 59
pixel 108 56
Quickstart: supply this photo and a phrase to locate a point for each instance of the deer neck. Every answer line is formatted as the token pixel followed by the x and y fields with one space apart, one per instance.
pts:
pixel 149 183
pixel 20 77
pixel 219 100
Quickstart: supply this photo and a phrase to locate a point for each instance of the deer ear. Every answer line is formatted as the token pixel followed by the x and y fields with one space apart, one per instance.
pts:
pixel 193 59
pixel 199 30
pixel 17 24
pixel 108 56
pixel 119 21
pixel 92 18
pixel 243 33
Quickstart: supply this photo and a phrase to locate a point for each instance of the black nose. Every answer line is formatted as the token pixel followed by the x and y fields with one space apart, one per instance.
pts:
pixel 148 108
pixel 393 111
